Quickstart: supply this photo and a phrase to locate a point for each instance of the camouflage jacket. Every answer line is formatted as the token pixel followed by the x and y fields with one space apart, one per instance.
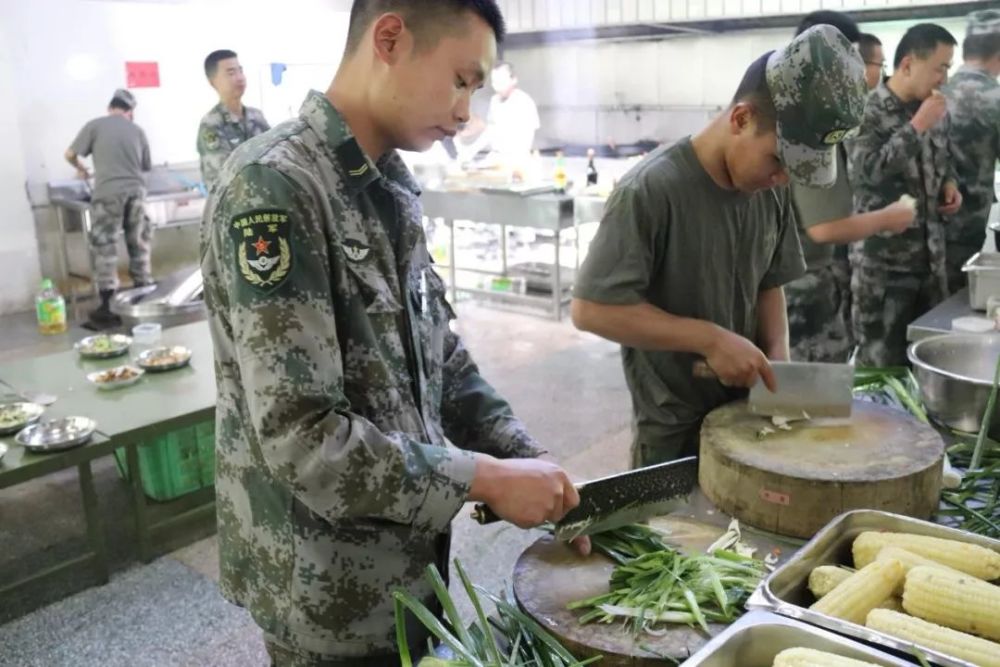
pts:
pixel 340 387
pixel 974 106
pixel 889 159
pixel 220 132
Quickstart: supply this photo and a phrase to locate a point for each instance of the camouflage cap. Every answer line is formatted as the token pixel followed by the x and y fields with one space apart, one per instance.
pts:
pixel 125 96
pixel 983 22
pixel 817 84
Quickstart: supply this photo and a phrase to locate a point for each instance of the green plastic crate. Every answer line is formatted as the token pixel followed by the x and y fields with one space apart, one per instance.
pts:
pixel 175 464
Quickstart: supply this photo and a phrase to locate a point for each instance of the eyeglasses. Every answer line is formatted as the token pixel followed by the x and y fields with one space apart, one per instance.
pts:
pixel 880 65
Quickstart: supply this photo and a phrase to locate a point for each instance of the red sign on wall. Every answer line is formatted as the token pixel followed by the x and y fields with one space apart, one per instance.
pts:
pixel 142 75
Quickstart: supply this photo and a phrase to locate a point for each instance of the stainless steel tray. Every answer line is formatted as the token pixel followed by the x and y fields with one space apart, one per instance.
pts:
pixel 151 360
pixel 784 590
pixel 30 413
pixel 756 638
pixel 983 270
pixel 117 345
pixel 54 435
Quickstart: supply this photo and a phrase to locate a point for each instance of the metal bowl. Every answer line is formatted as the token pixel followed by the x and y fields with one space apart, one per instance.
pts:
pixel 110 378
pixel 94 347
pixel 53 435
pixel 164 358
pixel 955 376
pixel 15 416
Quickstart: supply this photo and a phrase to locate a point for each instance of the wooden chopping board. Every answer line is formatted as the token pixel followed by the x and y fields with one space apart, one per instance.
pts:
pixel 549 575
pixel 794 482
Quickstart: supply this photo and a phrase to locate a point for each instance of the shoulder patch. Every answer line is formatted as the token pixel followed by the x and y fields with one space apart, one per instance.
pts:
pixel 211 139
pixel 263 246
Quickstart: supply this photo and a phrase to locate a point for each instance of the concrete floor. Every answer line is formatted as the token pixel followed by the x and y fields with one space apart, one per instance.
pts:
pixel 567 386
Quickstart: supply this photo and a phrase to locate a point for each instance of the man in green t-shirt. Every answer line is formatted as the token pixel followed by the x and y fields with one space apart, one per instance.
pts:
pixel 698 239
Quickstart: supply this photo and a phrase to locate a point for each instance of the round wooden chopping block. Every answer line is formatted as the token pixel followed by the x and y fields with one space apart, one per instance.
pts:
pixel 793 482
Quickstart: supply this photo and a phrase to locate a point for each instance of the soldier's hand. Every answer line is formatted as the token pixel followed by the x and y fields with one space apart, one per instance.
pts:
pixel 737 362
pixel 897 217
pixel 82 173
pixel 524 492
pixel 951 199
pixel 930 113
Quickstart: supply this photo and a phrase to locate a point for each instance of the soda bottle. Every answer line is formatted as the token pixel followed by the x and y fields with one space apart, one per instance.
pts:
pixel 560 175
pixel 50 307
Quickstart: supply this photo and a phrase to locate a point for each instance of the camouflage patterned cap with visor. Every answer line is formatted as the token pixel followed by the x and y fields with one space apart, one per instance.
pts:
pixel 125 97
pixel 817 84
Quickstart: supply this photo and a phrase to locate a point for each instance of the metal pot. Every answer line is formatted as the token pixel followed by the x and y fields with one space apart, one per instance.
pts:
pixel 955 376
pixel 174 300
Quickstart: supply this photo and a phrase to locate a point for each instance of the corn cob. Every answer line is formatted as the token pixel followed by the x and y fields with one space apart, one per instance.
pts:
pixel 862 591
pixel 978 651
pixel 807 657
pixel 825 578
pixel 893 603
pixel 957 601
pixel 969 558
pixel 909 560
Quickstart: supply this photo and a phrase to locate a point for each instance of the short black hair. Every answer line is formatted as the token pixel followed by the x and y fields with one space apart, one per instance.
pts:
pixel 422 17
pixel 842 22
pixel 867 44
pixel 118 103
pixel 981 47
pixel 921 41
pixel 753 90
pixel 213 59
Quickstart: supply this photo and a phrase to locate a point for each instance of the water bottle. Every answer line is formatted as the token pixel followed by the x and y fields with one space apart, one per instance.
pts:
pixel 50 307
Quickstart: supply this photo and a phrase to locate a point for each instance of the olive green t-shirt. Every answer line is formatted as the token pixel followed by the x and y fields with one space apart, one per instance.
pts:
pixel 814 206
pixel 670 236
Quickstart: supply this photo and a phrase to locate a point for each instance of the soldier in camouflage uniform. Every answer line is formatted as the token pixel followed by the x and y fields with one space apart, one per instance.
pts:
pixel 974 106
pixel 352 423
pixel 229 123
pixel 121 158
pixel 903 149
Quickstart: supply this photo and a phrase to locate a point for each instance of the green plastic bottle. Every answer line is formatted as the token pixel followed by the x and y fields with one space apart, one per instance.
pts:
pixel 50 307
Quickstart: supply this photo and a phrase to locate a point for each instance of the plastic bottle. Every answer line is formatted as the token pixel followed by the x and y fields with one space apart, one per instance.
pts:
pixel 50 308
pixel 560 176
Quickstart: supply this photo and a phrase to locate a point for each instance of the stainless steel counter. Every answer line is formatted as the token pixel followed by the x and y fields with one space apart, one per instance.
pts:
pixel 938 319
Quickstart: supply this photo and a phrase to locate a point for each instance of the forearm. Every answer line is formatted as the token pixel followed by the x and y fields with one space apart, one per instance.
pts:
pixel 644 326
pixel 856 227
pixel 73 159
pixel 772 324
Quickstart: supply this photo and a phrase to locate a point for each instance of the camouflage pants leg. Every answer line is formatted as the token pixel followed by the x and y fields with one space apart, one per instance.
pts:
pixel 654 443
pixel 816 326
pixel 138 240
pixel 285 656
pixel 842 273
pixel 885 303
pixel 108 215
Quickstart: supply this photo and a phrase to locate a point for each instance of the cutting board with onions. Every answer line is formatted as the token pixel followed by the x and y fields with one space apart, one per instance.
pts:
pixel 549 575
pixel 793 482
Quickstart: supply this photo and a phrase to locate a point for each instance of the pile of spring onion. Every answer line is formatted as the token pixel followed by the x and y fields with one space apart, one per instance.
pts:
pixel 653 584
pixel 509 638
pixel 894 386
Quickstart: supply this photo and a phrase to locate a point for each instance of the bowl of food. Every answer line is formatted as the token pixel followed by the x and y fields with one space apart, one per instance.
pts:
pixel 164 358
pixel 103 346
pixel 15 416
pixel 115 378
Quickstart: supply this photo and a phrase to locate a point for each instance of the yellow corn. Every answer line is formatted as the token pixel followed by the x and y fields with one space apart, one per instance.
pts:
pixel 807 657
pixel 957 601
pixel 862 591
pixel 969 558
pixel 960 645
pixel 909 560
pixel 825 578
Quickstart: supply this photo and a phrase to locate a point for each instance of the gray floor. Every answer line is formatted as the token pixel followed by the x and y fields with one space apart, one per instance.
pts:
pixel 568 387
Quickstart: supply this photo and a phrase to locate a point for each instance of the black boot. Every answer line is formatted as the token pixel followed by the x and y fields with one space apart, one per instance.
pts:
pixel 103 318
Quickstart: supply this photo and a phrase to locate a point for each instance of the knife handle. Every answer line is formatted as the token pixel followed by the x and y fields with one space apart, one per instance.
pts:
pixel 483 515
pixel 701 370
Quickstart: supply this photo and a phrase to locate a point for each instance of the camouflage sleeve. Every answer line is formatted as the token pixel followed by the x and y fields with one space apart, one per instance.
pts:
pixel 473 413
pixel 951 171
pixel 289 358
pixel 879 153
pixel 213 151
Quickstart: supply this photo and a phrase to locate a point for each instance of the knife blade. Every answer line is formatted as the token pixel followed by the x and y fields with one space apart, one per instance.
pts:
pixel 618 500
pixel 816 389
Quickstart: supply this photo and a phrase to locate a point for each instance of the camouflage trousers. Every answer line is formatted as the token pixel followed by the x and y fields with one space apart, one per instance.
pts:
pixel 817 328
pixel 110 216
pixel 885 303
pixel 842 272
pixel 956 256
pixel 655 443
pixel 285 656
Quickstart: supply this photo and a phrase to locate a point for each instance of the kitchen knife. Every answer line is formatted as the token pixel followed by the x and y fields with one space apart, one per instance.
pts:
pixel 618 500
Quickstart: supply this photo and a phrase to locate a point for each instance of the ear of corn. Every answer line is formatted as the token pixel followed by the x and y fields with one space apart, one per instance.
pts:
pixel 910 560
pixel 862 591
pixel 969 558
pixel 978 651
pixel 807 657
pixel 825 578
pixel 957 601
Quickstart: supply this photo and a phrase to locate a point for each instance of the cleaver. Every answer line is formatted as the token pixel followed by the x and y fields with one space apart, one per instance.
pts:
pixel 619 500
pixel 817 389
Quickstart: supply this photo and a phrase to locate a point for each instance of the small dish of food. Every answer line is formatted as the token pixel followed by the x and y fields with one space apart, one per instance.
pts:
pixel 103 346
pixel 115 378
pixel 164 358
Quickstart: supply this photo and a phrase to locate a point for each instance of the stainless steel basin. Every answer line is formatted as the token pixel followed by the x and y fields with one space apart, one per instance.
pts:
pixel 174 300
pixel 955 375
